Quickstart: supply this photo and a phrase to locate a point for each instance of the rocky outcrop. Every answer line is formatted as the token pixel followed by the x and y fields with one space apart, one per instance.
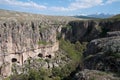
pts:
pixel 103 48
pixel 22 40
pixel 94 75
pixel 114 33
pixel 82 31
pixel 103 54
pixel 89 30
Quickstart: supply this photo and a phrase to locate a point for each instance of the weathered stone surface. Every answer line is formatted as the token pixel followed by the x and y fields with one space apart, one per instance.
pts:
pixel 24 36
pixel 89 30
pixel 114 33
pixel 82 31
pixel 103 54
pixel 21 40
pixel 94 75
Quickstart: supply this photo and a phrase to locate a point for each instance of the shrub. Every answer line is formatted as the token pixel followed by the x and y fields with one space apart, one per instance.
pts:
pixel 42 74
pixel 74 51
pixel 19 77
pixel 43 43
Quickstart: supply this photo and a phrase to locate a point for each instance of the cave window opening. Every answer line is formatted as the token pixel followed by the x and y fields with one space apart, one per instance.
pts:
pixel 14 60
pixel 4 24
pixel 49 56
pixel 40 55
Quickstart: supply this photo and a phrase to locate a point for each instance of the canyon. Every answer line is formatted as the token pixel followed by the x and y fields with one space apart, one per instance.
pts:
pixel 26 36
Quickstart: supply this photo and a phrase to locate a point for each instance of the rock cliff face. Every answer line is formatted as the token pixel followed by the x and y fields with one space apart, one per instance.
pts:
pixel 89 30
pixel 24 36
pixel 103 54
pixel 22 40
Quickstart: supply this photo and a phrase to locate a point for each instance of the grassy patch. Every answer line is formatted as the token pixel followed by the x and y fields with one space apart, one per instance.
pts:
pixel 43 43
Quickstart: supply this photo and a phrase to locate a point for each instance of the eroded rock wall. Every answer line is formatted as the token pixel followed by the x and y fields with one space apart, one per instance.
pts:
pixel 22 40
pixel 89 30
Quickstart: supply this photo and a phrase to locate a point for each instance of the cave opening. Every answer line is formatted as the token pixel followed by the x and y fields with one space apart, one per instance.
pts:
pixel 49 56
pixel 40 55
pixel 14 60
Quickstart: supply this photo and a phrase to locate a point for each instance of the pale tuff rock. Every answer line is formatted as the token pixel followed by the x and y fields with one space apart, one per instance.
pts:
pixel 20 41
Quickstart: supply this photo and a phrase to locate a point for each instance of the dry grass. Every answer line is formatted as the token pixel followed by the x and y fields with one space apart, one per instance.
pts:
pixel 21 16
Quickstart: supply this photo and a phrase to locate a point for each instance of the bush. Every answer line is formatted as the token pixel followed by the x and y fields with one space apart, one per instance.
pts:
pixel 33 74
pixel 42 74
pixel 42 42
pixel 74 51
pixel 19 77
